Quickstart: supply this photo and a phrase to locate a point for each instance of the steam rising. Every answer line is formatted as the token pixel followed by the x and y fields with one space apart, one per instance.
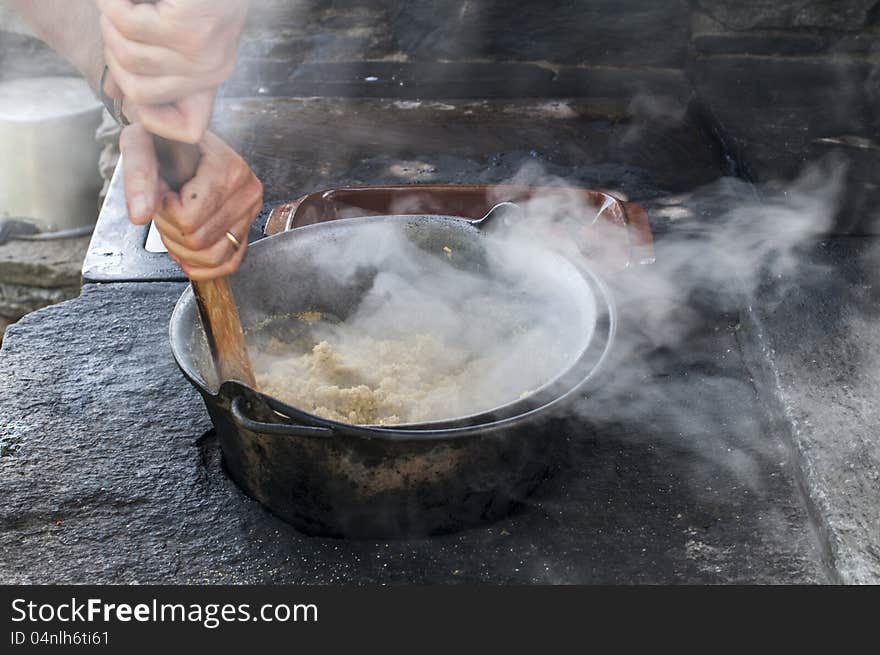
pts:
pixel 677 381
pixel 448 323
pixel 669 382
pixel 467 342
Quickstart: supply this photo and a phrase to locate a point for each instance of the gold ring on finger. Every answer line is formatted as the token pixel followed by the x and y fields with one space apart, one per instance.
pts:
pixel 236 244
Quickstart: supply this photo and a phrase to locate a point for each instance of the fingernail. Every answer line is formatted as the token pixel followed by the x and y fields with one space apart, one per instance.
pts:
pixel 139 206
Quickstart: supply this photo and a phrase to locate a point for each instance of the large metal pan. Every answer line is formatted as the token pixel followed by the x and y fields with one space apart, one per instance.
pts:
pixel 337 479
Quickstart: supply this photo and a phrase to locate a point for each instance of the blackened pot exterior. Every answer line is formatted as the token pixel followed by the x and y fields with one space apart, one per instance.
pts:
pixel 347 486
pixel 336 479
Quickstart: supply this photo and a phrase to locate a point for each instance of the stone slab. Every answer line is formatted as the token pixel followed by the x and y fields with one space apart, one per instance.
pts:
pixel 109 475
pixel 16 300
pixel 776 114
pixel 34 274
pixel 770 14
pixel 390 79
pixel 49 264
pixel 762 43
pixel 450 80
pixel 818 328
pixel 711 37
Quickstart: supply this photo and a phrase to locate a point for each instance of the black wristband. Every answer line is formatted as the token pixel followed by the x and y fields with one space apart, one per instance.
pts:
pixel 113 105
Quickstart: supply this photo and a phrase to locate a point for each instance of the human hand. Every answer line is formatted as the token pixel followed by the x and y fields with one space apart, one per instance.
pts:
pixel 169 57
pixel 223 198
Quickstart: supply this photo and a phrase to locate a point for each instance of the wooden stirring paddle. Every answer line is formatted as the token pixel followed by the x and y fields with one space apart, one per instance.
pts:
pixel 178 163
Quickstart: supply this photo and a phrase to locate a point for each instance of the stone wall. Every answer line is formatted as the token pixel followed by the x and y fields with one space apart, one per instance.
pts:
pixel 465 48
pixel 780 81
pixel 790 82
pixel 559 32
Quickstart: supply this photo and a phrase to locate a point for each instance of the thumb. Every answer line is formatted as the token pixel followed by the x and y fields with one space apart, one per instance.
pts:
pixel 141 171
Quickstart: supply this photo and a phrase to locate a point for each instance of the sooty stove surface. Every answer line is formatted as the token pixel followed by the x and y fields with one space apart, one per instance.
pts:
pixel 680 470
pixel 112 480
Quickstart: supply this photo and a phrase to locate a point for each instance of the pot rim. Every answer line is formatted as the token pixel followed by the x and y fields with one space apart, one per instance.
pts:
pixel 481 422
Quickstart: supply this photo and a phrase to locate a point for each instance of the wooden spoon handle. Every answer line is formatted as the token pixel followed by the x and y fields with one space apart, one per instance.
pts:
pixel 223 329
pixel 178 163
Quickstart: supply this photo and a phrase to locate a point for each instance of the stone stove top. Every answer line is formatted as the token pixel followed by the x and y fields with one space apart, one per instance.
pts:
pixel 110 472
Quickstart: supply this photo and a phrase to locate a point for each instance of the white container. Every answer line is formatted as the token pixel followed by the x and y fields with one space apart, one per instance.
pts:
pixel 48 152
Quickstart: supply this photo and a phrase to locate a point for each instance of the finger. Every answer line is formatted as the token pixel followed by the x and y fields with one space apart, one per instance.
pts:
pixel 154 90
pixel 138 22
pixel 141 58
pixel 211 230
pixel 169 231
pixel 217 249
pixel 213 250
pixel 197 274
pixel 177 225
pixel 223 191
pixel 224 166
pixel 242 202
pixel 189 210
pixel 240 215
pixel 186 120
pixel 216 148
pixel 211 257
pixel 141 173
pixel 201 273
pixel 215 255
